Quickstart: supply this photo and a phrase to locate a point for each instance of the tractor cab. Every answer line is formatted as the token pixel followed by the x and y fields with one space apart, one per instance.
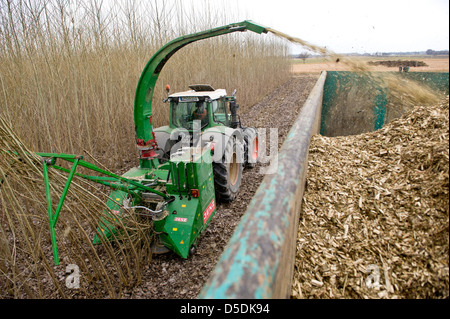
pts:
pixel 202 116
pixel 200 108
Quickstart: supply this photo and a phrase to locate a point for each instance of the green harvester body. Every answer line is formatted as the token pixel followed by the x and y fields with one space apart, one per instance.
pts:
pixel 178 194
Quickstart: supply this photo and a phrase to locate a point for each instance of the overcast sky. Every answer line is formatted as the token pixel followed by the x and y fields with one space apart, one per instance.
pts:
pixel 346 26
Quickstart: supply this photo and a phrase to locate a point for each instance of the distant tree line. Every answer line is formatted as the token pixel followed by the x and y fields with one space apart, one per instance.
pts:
pixel 306 55
pixel 432 52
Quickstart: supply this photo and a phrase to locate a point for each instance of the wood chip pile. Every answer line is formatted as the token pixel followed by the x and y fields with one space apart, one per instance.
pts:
pixel 375 213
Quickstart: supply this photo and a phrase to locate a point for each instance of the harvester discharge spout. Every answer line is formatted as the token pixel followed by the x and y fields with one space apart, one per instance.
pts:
pixel 145 137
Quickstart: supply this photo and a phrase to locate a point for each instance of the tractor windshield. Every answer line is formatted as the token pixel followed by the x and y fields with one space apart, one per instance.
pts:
pixel 184 114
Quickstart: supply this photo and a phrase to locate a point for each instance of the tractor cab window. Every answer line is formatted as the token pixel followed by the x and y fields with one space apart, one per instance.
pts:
pixel 219 111
pixel 185 113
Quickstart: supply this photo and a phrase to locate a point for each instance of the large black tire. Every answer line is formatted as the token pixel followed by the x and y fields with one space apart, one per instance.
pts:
pixel 251 147
pixel 228 173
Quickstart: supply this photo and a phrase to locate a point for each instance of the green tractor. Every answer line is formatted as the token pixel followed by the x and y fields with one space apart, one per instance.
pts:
pixel 183 167
pixel 207 118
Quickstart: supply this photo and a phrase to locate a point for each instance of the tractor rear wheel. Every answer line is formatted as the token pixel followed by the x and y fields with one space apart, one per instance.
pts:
pixel 251 147
pixel 228 173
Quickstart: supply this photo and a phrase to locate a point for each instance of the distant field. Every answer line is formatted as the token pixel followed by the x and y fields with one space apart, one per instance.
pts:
pixel 316 65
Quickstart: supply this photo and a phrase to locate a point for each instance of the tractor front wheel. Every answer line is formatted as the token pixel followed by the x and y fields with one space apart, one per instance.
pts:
pixel 228 173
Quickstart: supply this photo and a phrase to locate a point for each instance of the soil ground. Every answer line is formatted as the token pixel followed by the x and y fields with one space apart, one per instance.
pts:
pixel 170 277
pixel 316 66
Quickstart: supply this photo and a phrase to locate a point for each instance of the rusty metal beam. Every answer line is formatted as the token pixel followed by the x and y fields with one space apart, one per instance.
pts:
pixel 258 261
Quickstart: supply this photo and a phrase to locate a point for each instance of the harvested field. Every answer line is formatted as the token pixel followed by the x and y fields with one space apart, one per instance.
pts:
pixel 397 63
pixel 375 212
pixel 433 65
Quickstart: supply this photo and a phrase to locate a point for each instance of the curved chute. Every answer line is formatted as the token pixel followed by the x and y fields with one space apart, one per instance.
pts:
pixel 145 137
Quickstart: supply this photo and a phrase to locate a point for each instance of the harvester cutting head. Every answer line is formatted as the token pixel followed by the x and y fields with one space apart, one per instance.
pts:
pixel 178 220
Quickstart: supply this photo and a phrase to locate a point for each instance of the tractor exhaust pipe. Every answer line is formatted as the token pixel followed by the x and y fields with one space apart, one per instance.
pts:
pixel 235 123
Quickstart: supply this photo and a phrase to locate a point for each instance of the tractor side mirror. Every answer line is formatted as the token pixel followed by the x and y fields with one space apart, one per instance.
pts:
pixel 234 93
